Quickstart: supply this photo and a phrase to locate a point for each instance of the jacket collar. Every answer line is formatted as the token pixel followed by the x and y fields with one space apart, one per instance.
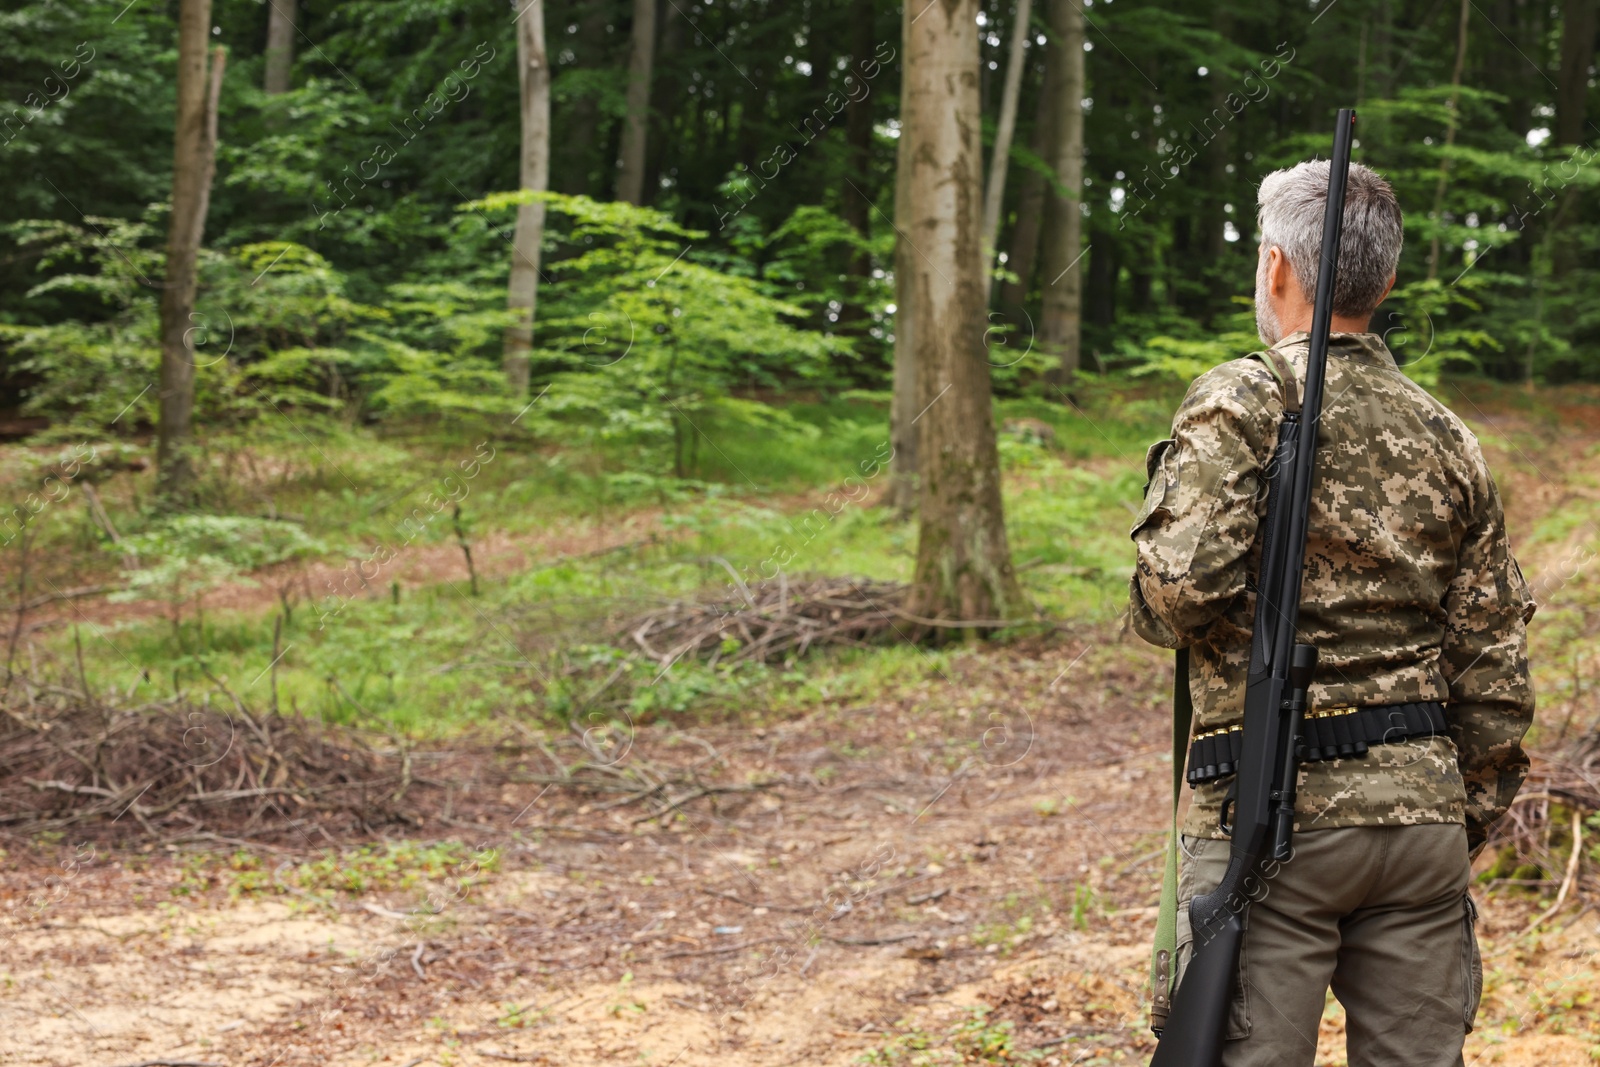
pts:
pixel 1365 348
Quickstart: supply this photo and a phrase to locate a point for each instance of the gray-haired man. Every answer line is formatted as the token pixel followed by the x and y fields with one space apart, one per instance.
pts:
pixel 1416 606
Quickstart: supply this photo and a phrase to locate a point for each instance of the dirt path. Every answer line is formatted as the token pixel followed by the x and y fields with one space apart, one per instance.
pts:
pixel 984 840
pixel 495 554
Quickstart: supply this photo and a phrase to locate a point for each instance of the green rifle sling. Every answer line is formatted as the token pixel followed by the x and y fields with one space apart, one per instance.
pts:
pixel 1164 956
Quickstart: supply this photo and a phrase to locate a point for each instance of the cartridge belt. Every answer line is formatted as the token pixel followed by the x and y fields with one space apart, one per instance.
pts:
pixel 1331 733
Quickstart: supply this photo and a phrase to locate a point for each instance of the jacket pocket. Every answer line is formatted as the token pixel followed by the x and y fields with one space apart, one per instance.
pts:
pixel 1189 847
pixel 1471 963
pixel 1156 482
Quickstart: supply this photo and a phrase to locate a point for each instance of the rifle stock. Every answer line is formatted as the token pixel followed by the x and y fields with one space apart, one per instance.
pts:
pixel 1275 690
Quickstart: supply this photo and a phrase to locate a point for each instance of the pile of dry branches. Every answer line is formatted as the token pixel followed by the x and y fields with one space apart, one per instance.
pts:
pixel 182 769
pixel 177 766
pixel 773 620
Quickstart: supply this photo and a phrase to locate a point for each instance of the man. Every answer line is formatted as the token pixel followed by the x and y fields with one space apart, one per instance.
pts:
pixel 1414 602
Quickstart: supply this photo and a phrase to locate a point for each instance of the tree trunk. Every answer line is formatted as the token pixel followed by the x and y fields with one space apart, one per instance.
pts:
pixel 1103 270
pixel 819 49
pixel 1522 26
pixel 1024 252
pixel 994 191
pixel 1449 140
pixel 1361 65
pixel 1218 152
pixel 904 407
pixel 280 46
pixel 964 567
pixel 636 124
pixel 1184 293
pixel 523 293
pixel 853 200
pixel 193 164
pixel 661 139
pixel 581 116
pixel 1141 286
pixel 1380 78
pixel 1577 52
pixel 1383 51
pixel 1063 282
pixel 854 205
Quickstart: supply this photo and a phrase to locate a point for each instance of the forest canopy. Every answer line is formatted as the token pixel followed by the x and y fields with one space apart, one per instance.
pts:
pixel 358 244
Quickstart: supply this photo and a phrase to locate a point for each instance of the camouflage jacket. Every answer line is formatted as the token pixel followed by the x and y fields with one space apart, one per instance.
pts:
pixel 1410 590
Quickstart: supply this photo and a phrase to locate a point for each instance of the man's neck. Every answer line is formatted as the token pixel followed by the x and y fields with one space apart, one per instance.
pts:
pixel 1341 324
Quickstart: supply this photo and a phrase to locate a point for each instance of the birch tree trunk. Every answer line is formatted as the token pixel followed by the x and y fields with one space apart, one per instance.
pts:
pixel 280 46
pixel 193 165
pixel 636 124
pixel 995 190
pixel 964 567
pixel 522 298
pixel 1060 319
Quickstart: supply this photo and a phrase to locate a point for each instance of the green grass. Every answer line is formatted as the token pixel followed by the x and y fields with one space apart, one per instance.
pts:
pixel 542 644
pixel 439 660
pixel 416 869
pixel 975 1039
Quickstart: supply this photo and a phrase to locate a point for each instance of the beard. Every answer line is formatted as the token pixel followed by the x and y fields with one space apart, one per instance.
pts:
pixel 1268 328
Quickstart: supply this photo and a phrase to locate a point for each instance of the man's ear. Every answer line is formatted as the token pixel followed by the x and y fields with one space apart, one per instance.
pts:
pixel 1277 272
pixel 1387 289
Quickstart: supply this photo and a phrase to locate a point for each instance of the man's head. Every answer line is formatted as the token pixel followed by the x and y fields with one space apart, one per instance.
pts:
pixel 1291 203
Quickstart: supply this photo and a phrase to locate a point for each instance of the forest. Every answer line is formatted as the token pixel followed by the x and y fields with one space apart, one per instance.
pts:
pixel 596 531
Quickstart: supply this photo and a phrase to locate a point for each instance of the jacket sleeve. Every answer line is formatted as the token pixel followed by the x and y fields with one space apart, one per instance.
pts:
pixel 1484 659
pixel 1202 505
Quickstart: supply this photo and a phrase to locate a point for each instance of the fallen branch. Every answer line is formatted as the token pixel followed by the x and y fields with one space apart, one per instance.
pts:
pixel 872 940
pixel 753 904
pixel 1572 873
pixel 928 898
pixel 723 951
pixel 416 960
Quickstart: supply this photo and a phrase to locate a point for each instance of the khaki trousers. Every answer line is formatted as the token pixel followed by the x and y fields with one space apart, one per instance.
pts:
pixel 1381 915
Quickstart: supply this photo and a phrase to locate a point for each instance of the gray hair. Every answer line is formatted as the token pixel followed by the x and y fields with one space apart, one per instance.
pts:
pixel 1292 204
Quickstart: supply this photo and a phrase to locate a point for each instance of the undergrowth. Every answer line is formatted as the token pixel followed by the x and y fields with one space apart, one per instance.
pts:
pixel 548 643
